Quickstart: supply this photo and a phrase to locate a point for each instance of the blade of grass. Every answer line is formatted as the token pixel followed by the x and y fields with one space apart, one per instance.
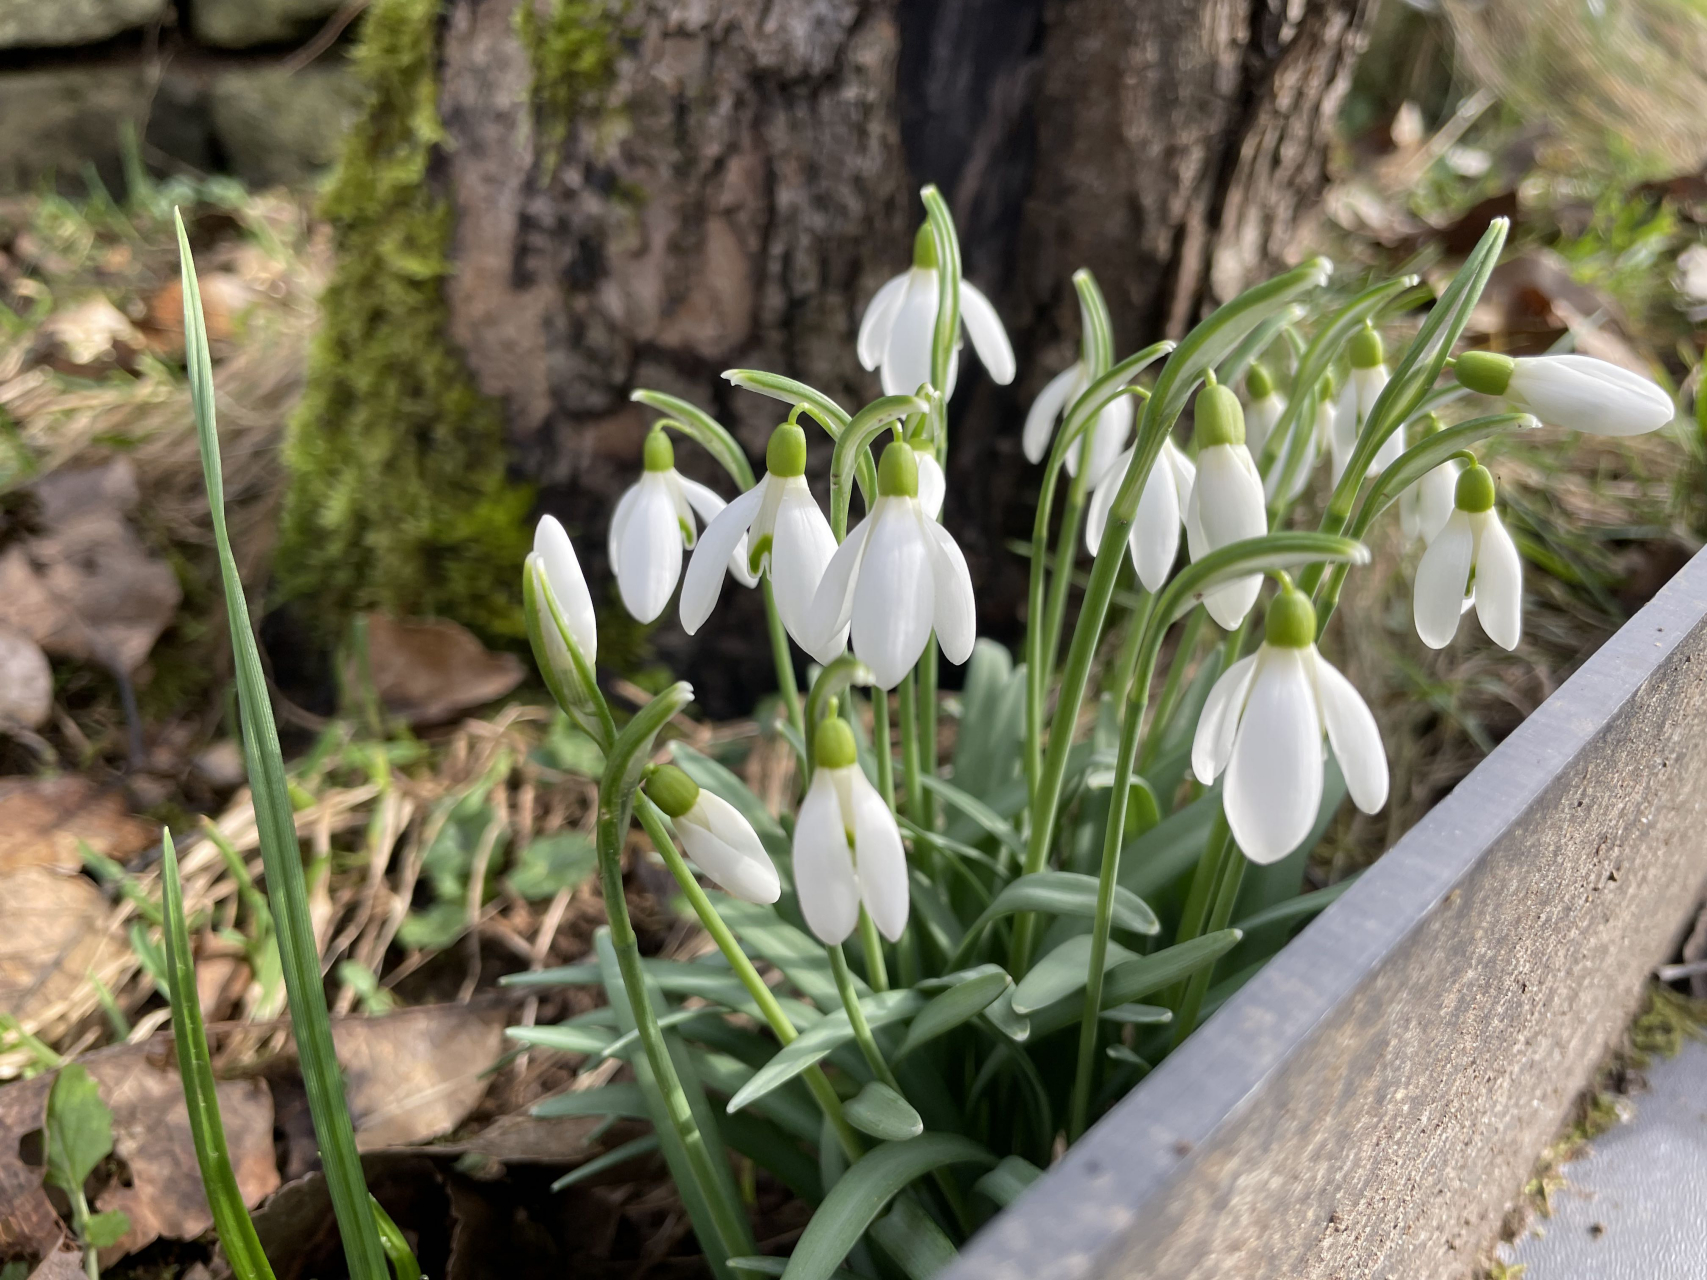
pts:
pixel 280 855
pixel 195 1066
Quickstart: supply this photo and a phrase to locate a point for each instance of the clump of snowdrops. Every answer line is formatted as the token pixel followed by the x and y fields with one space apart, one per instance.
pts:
pixel 934 971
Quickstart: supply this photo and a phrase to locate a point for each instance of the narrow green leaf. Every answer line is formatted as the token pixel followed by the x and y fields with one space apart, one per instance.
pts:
pixel 1000 1015
pixel 1421 458
pixel 832 415
pixel 1062 972
pixel 778 1152
pixel 1140 976
pixel 1153 861
pixel 624 1100
pixel 801 958
pixel 641 1146
pixel 1061 893
pixel 237 1236
pixel 959 1004
pixel 1139 1015
pixel 1292 910
pixel 566 1038
pixel 395 1244
pixel 884 1114
pixel 1008 1180
pixel 287 893
pixel 1266 554
pixel 992 822
pixel 758 1266
pixel 706 431
pixel 818 1041
pixel 912 1238
pixel 875 1179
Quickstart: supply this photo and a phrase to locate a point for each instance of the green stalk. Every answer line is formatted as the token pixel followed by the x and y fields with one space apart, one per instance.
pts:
pixel 927 713
pixel 1174 688
pixel 280 854
pixel 876 971
pixel 785 682
pixel 856 1019
pixel 880 741
pixel 823 1092
pixel 908 694
pixel 1226 898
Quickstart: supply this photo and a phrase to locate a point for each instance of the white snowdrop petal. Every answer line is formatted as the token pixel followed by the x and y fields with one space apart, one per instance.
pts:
pixel 1410 514
pixel 568 584
pixel 1274 776
pixel 1442 575
pixel 879 319
pixel 1260 419
pixel 1102 501
pixel 1040 419
pixel 1499 581
pixel 1435 500
pixel 1368 383
pixel 989 338
pixel 801 549
pixel 1390 451
pixel 1344 438
pixel 907 358
pixel 702 584
pixel 619 522
pixel 1184 469
pixel 1212 744
pixel 649 559
pixel 1154 540
pixel 880 864
pixel 955 614
pixel 724 846
pixel 1109 435
pixel 1353 735
pixel 832 603
pixel 933 485
pixel 1226 506
pixel 1586 394
pixel 894 596
pixel 823 864
pixel 707 504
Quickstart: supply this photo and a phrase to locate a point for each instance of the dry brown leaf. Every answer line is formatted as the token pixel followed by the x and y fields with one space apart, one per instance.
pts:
pixel 90 337
pixel 428 671
pixel 86 587
pixel 64 1262
pixel 52 932
pixel 26 682
pixel 28 1224
pixel 417 1073
pixel 43 819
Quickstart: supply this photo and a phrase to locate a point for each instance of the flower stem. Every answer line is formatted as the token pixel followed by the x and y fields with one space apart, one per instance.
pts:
pixel 856 1019
pixel 927 714
pixel 909 700
pixel 1174 688
pixel 823 1092
pixel 876 971
pixel 884 747
pixel 733 1231
pixel 1220 915
pixel 785 681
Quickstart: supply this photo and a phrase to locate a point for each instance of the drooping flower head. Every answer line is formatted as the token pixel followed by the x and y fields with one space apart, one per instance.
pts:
pixel 1226 502
pixel 1107 436
pixel 720 841
pixel 654 520
pixel 1368 378
pixel 898 575
pixel 1577 392
pixel 847 848
pixel 1154 540
pixel 1266 406
pixel 895 335
pixel 1472 557
pixel 1264 722
pixel 786 538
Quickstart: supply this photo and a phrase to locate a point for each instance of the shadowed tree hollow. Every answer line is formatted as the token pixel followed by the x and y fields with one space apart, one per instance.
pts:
pixel 550 202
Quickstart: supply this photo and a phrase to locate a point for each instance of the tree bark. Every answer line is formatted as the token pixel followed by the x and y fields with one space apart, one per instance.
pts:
pixel 743 177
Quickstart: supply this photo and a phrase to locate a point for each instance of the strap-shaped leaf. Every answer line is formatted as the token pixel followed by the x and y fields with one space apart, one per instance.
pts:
pixel 1139 976
pixel 854 1202
pixel 623 1099
pixel 1060 893
pixel 1259 340
pixel 818 1041
pixel 801 958
pixel 884 1114
pixel 1008 1180
pixel 1139 1015
pixel 641 1146
pixel 1271 552
pixel 911 1237
pixel 1062 972
pixel 706 431
pixel 962 1002
pixel 980 813
pixel 833 417
pixel 566 1038
pixel 1421 458
pixel 1303 907
pixel 195 1067
pixel 999 1013
pixel 1103 392
pixel 855 443
pixel 395 1243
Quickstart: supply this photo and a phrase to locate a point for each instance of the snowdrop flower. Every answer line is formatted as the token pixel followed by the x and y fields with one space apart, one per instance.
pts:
pixel 720 841
pixel 933 485
pixel 1154 540
pixel 558 589
pixel 847 849
pixel 785 536
pixel 1264 722
pixel 1576 392
pixel 1107 435
pixel 1426 505
pixel 1364 386
pixel 1320 436
pixel 1265 408
pixel 1226 502
pixel 895 335
pixel 653 522
pixel 1473 550
pixel 898 575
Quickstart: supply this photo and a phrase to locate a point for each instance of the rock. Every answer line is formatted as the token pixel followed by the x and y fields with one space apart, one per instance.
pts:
pixel 238 24
pixel 26 681
pixel 277 127
pixel 75 114
pixel 35 24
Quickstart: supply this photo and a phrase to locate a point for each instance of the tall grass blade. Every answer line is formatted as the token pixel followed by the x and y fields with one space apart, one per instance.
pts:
pixel 280 854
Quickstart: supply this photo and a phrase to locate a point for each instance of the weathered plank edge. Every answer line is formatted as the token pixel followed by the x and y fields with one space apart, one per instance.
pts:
pixel 1109 1206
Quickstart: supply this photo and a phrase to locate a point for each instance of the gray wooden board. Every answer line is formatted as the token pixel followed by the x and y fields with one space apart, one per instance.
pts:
pixel 1370 1103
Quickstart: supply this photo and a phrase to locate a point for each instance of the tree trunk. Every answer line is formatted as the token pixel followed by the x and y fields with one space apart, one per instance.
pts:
pixel 648 196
